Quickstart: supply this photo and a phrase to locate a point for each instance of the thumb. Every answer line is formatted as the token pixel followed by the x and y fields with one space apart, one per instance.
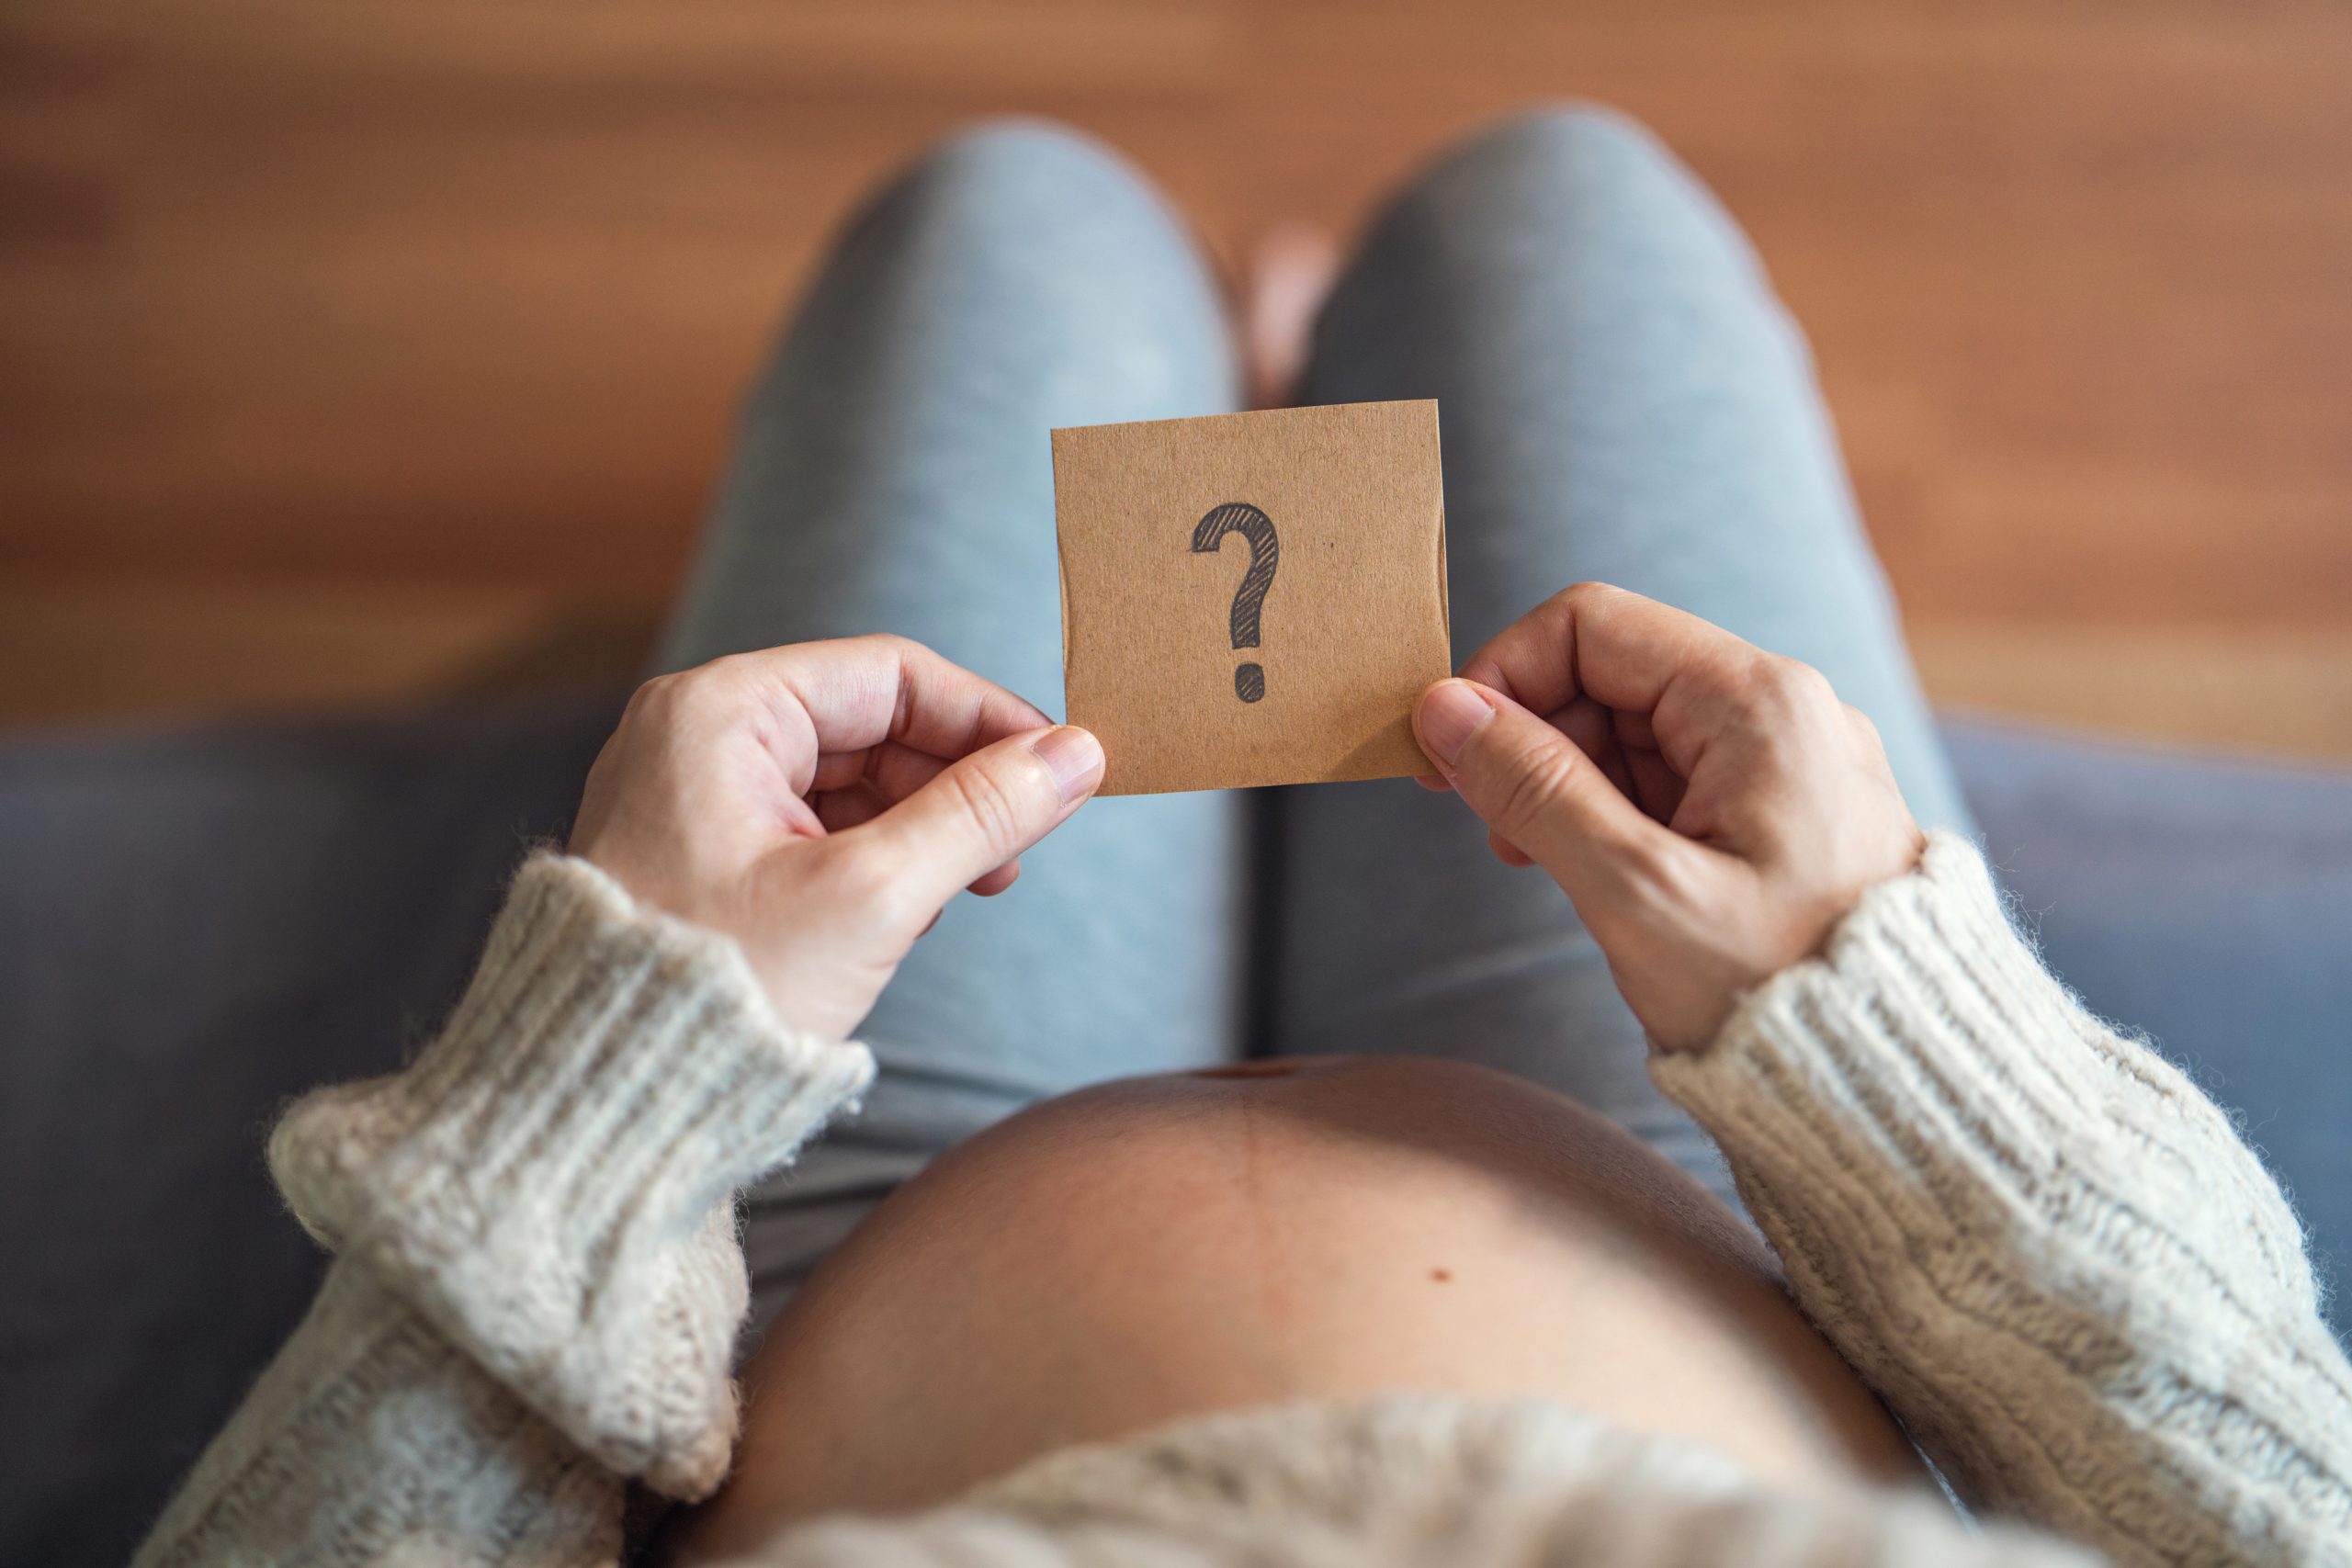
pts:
pixel 984 809
pixel 1532 786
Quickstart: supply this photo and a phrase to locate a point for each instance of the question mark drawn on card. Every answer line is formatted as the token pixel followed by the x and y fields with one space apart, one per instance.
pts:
pixel 1250 599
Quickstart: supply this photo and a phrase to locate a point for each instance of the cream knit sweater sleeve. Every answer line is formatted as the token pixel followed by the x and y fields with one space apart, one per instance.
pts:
pixel 2043 1247
pixel 537 1283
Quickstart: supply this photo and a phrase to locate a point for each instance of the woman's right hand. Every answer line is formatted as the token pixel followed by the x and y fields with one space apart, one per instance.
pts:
pixel 819 803
pixel 1712 810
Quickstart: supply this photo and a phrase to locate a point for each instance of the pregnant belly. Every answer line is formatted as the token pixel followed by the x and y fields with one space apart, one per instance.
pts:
pixel 1161 1247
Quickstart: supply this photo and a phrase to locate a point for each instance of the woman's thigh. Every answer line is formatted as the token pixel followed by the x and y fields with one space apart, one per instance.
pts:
pixel 1622 399
pixel 892 473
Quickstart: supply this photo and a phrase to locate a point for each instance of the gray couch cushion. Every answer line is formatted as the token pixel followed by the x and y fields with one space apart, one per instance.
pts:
pixel 2205 901
pixel 194 925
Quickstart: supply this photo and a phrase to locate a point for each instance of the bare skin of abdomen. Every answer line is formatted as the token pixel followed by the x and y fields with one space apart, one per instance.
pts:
pixel 1316 1228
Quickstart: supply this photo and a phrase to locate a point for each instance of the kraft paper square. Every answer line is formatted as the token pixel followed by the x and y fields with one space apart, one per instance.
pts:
pixel 1253 598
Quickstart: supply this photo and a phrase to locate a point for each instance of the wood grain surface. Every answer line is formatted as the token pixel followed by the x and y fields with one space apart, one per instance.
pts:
pixel 375 351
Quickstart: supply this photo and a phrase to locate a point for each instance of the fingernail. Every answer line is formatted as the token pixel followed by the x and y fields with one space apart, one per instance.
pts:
pixel 1449 714
pixel 1073 756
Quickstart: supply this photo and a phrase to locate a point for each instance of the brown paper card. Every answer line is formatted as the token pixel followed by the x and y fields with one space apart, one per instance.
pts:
pixel 1253 598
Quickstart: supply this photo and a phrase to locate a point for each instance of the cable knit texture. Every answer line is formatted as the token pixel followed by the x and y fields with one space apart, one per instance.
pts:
pixel 1417 1480
pixel 536 1231
pixel 2050 1253
pixel 2034 1237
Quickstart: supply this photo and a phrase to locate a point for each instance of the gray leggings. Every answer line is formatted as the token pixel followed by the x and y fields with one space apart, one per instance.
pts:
pixel 1621 398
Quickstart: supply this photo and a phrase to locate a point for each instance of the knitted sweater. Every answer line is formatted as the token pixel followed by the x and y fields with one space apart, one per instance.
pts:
pixel 2046 1249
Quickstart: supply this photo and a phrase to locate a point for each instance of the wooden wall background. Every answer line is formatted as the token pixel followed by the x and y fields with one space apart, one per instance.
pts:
pixel 366 351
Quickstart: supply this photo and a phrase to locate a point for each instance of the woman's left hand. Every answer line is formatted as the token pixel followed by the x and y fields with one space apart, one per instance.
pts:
pixel 820 803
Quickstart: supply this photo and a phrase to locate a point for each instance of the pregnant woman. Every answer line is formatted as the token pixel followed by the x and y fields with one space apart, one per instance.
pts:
pixel 1362 1174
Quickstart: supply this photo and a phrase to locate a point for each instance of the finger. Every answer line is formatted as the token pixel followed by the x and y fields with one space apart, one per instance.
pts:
pixel 1511 854
pixel 1605 643
pixel 986 808
pixel 891 771
pixel 851 694
pixel 996 881
pixel 841 810
pixel 859 804
pixel 1657 789
pixel 839 770
pixel 1435 783
pixel 1587 725
pixel 1584 721
pixel 1632 729
pixel 1620 649
pixel 1532 787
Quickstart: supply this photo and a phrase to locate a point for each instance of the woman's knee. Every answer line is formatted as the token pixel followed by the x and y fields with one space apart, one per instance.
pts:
pixel 1574 174
pixel 1557 146
pixel 1017 176
pixel 1015 154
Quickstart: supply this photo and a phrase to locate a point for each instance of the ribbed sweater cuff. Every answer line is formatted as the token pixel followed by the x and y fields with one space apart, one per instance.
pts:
pixel 1924 1025
pixel 301 1474
pixel 1929 1044
pixel 550 1182
pixel 2032 1233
